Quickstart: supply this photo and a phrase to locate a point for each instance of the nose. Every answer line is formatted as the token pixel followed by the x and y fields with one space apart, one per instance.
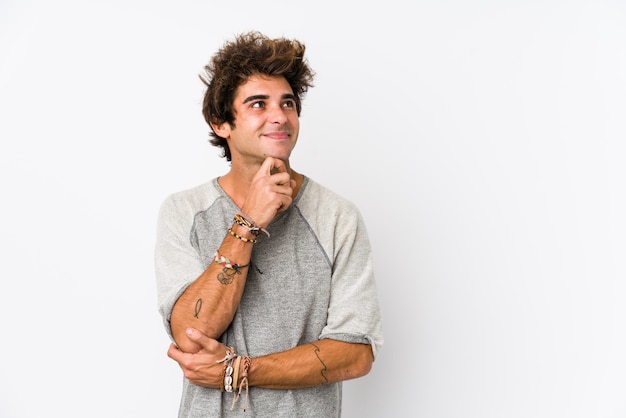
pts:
pixel 277 115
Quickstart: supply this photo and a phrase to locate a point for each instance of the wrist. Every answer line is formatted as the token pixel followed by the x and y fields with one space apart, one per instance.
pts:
pixel 246 222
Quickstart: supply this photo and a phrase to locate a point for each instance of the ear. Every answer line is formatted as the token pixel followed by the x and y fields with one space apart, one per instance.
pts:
pixel 222 129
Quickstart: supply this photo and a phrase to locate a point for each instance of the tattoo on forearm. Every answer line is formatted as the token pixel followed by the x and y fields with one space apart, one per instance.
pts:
pixel 198 307
pixel 324 368
pixel 227 275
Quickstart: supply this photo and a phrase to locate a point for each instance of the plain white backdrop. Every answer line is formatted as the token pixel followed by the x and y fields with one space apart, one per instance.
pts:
pixel 483 141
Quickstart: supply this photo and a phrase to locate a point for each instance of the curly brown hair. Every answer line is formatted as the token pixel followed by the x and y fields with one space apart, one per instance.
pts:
pixel 250 54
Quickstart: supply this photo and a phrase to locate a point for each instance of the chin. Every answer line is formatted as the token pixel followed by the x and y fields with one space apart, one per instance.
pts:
pixel 279 155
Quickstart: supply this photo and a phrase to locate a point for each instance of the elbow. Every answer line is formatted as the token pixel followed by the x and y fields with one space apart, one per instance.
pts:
pixel 359 370
pixel 364 367
pixel 184 343
pixel 362 363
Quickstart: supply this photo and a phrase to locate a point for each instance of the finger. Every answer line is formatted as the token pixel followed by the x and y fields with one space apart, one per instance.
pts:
pixel 285 189
pixel 284 199
pixel 275 170
pixel 207 343
pixel 174 352
pixel 273 165
pixel 195 335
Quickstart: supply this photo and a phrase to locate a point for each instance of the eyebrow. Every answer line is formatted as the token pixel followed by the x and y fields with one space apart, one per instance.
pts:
pixel 265 97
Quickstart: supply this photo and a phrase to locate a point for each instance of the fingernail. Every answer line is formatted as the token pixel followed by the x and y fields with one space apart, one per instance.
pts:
pixel 189 332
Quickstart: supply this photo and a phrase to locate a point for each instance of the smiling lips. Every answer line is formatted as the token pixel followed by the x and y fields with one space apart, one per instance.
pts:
pixel 277 135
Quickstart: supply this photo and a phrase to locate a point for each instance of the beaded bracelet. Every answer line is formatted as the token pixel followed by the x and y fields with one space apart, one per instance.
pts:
pixel 244 239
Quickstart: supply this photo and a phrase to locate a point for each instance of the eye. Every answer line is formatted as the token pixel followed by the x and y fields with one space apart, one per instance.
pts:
pixel 289 104
pixel 258 105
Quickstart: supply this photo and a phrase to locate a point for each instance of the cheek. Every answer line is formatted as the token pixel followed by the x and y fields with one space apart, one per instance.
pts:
pixel 294 121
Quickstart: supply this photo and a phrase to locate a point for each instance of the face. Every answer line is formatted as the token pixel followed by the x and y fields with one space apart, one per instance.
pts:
pixel 266 121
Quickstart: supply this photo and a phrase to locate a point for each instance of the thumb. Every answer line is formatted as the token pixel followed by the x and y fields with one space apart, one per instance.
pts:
pixel 195 335
pixel 207 343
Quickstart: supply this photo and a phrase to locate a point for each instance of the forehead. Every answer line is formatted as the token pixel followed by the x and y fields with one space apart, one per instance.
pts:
pixel 259 84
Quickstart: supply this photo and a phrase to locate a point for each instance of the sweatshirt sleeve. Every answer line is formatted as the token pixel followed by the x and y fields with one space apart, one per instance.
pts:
pixel 354 312
pixel 177 263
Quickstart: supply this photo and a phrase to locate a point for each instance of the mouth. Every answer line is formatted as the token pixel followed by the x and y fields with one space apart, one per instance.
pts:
pixel 279 135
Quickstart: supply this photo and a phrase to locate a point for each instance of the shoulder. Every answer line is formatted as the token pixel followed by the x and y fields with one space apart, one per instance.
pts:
pixel 320 196
pixel 323 206
pixel 190 200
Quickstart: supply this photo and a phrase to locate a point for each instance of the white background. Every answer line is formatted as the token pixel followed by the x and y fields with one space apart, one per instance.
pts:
pixel 484 142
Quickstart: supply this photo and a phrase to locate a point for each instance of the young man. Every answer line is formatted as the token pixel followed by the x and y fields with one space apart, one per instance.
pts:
pixel 264 277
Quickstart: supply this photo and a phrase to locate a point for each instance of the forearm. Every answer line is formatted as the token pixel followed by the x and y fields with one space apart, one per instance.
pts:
pixel 312 364
pixel 210 302
pixel 322 362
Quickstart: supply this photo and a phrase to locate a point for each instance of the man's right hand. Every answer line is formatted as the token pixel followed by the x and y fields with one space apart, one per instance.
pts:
pixel 270 192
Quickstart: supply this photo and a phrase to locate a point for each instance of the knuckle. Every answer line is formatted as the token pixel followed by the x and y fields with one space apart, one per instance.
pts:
pixel 187 365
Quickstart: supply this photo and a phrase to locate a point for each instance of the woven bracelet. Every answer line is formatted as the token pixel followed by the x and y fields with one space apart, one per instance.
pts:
pixel 226 277
pixel 243 365
pixel 223 261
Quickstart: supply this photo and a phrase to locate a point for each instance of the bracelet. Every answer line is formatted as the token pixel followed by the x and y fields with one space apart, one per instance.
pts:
pixel 236 364
pixel 230 269
pixel 247 361
pixel 223 261
pixel 250 225
pixel 227 373
pixel 244 239
pixel 228 377
pixel 242 365
pixel 227 275
pixel 222 375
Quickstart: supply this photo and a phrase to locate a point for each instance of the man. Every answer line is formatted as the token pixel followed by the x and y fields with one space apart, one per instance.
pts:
pixel 264 277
